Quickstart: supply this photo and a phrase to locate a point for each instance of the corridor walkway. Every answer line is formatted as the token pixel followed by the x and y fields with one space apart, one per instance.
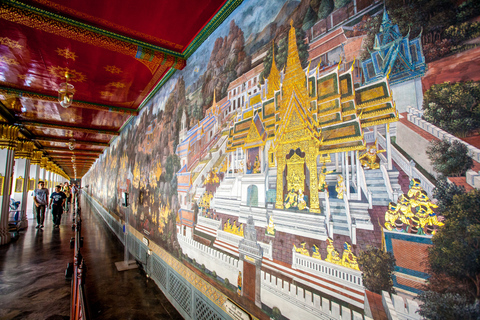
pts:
pixel 32 275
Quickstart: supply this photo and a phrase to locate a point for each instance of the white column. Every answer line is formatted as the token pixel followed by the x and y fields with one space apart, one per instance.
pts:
pixel 336 162
pixel 244 156
pixel 34 174
pixel 357 164
pixel 389 147
pixel 6 170
pixel 347 179
pixel 21 170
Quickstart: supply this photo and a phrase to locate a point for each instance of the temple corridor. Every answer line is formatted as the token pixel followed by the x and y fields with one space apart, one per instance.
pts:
pixel 32 275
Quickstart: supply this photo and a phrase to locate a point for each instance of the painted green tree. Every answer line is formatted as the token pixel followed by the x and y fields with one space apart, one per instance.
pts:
pixel 310 19
pixel 281 52
pixel 326 7
pixel 453 107
pixel 454 258
pixel 341 3
pixel 450 159
pixel 377 267
pixel 444 192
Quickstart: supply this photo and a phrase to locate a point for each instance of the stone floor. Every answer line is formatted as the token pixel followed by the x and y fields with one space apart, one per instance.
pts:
pixel 32 275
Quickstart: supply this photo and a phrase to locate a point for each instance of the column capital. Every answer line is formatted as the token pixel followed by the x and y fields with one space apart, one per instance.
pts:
pixel 8 136
pixel 36 157
pixel 50 165
pixel 24 149
pixel 43 162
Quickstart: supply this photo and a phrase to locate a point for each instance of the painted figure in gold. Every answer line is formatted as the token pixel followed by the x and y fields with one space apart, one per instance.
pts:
pixel 349 260
pixel 415 210
pixel 340 188
pixel 316 253
pixel 256 165
pixel 391 216
pixel 291 200
pixel 302 250
pixel 302 203
pixel 369 158
pixel 332 254
pixel 322 185
pixel 205 200
pixel 239 283
pixel 212 178
pixel 271 226
pixel 414 188
pixel 233 228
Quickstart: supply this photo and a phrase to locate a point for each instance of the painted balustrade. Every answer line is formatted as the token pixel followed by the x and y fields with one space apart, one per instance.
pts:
pixel 350 221
pixel 297 303
pixel 327 270
pixel 267 249
pixel 328 215
pixel 209 223
pixel 408 167
pixel 224 265
pixel 398 308
pixel 364 187
pixel 228 237
pixel 414 116
pixel 386 179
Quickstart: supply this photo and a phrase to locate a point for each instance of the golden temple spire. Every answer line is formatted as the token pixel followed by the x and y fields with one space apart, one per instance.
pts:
pixel 273 77
pixel 214 101
pixel 294 74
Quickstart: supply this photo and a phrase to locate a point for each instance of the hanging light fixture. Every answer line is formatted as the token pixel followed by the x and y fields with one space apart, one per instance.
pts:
pixel 65 92
pixel 71 144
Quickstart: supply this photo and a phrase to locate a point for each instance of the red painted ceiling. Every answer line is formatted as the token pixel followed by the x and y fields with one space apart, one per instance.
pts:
pixel 111 74
pixel 170 24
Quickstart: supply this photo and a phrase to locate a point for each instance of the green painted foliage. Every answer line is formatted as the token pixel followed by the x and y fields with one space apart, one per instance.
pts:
pixel 453 107
pixel 449 158
pixel 444 193
pixel 341 3
pixel 456 246
pixel 326 7
pixel 377 266
pixel 281 52
pixel 310 19
pixel 447 306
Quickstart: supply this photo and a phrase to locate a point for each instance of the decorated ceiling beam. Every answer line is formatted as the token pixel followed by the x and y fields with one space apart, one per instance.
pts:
pixel 68 127
pixel 151 55
pixel 76 103
pixel 64 140
pixel 68 156
pixel 68 150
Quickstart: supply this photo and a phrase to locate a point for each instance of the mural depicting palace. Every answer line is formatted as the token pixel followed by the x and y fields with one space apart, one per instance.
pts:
pixel 274 159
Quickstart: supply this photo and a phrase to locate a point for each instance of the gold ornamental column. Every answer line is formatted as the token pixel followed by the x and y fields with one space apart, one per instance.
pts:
pixel 280 167
pixel 21 178
pixel 43 169
pixel 8 143
pixel 49 174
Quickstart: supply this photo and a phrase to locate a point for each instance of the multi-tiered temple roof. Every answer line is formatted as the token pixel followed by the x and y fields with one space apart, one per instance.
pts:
pixel 326 105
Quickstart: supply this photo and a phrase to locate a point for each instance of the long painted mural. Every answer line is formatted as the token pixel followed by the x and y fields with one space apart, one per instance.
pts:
pixel 315 157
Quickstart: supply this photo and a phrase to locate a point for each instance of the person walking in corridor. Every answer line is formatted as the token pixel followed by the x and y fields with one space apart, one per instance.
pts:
pixel 40 198
pixel 67 190
pixel 57 199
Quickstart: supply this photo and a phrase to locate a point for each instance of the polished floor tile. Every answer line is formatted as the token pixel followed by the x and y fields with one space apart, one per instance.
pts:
pixel 32 275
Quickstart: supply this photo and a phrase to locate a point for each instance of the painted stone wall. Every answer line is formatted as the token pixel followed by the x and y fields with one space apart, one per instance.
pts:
pixel 210 183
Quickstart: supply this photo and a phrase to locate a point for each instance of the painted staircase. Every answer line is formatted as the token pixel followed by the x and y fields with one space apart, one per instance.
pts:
pixel 376 184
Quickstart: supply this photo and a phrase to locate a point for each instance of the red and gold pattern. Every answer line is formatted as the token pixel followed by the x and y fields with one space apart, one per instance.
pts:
pixel 10 43
pixel 75 76
pixel 66 53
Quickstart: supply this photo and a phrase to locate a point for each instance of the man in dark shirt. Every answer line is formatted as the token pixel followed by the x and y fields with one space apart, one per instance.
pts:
pixel 57 199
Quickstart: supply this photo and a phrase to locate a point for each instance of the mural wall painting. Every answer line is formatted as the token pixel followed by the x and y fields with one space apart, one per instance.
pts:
pixel 280 146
